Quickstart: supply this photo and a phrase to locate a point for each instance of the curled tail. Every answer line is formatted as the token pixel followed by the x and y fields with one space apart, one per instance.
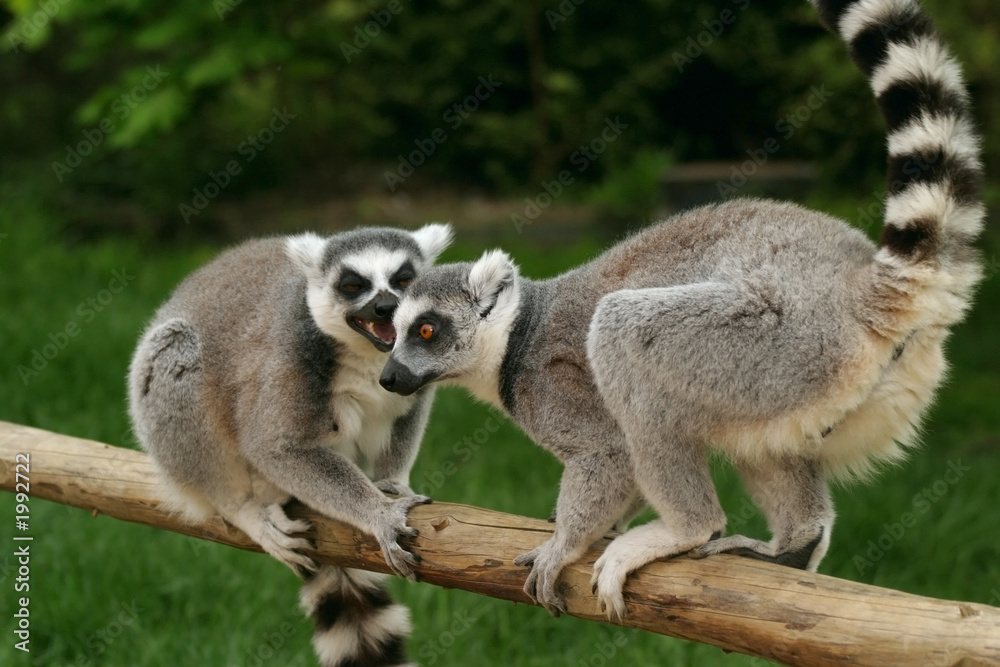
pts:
pixel 357 623
pixel 934 208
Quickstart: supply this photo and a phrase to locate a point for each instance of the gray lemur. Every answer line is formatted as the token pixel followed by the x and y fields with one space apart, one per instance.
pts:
pixel 776 335
pixel 256 383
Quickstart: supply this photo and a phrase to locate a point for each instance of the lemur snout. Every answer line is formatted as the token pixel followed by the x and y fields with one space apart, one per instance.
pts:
pixel 384 304
pixel 399 379
pixel 374 319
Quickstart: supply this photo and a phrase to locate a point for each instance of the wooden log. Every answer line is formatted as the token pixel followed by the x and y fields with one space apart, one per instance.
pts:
pixel 737 604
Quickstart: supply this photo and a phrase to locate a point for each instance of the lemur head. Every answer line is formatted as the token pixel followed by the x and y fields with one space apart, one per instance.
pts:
pixel 355 279
pixel 453 324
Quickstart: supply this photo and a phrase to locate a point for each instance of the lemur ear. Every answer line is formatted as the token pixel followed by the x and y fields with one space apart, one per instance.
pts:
pixel 306 252
pixel 433 239
pixel 489 277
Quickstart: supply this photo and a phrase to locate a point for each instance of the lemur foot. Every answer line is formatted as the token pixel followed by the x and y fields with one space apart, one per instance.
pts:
pixel 633 550
pixel 540 585
pixel 798 555
pixel 608 581
pixel 720 545
pixel 391 528
pixel 276 537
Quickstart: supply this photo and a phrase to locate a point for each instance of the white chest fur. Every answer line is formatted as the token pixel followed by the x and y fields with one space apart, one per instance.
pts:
pixel 364 411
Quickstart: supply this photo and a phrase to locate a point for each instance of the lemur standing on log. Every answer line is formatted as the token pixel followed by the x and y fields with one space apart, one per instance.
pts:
pixel 779 336
pixel 256 383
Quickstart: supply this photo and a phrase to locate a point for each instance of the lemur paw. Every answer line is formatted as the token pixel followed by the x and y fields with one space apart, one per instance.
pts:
pixel 395 488
pixel 608 581
pixel 540 584
pixel 277 539
pixel 391 528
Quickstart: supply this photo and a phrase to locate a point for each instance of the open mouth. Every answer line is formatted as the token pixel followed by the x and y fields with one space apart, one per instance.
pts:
pixel 381 334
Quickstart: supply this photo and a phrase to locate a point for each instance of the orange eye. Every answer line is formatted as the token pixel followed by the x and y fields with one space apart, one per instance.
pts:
pixel 404 282
pixel 426 331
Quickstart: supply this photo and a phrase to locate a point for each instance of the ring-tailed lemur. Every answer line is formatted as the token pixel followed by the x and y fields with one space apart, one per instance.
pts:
pixel 256 383
pixel 779 336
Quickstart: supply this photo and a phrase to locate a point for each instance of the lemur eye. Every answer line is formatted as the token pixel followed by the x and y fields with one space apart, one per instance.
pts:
pixel 350 281
pixel 404 275
pixel 426 331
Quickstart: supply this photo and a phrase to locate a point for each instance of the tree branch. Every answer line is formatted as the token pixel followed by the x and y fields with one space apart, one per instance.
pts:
pixel 737 604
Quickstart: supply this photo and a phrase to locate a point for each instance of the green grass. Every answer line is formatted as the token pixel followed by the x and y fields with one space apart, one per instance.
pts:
pixel 110 593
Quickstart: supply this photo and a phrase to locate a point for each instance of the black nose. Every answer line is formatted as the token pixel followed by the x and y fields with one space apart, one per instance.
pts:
pixel 385 305
pixel 388 380
pixel 396 377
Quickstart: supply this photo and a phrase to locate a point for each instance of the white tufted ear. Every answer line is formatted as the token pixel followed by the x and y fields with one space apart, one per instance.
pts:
pixel 433 239
pixel 493 273
pixel 306 251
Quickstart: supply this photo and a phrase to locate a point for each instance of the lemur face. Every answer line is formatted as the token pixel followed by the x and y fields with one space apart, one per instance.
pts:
pixel 436 341
pixel 355 280
pixel 367 288
pixel 453 323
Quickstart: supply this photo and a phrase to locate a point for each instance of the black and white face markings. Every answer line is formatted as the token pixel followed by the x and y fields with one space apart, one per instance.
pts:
pixel 454 319
pixel 356 279
pixel 370 286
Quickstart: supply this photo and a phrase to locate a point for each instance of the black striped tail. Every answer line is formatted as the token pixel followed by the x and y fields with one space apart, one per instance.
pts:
pixel 934 206
pixel 357 622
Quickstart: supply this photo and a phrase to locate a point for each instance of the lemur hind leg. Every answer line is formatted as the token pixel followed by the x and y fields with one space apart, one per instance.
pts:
pixel 674 477
pixel 638 505
pixel 202 475
pixel 793 495
pixel 635 508
pixel 672 364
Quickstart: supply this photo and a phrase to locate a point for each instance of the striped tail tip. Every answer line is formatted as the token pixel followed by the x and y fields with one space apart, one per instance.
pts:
pixel 357 622
pixel 934 206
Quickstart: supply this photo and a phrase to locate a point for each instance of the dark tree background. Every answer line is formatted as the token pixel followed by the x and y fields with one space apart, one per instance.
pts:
pixel 367 81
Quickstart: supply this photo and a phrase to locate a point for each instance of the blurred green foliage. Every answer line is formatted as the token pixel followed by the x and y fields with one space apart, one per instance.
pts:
pixel 368 80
